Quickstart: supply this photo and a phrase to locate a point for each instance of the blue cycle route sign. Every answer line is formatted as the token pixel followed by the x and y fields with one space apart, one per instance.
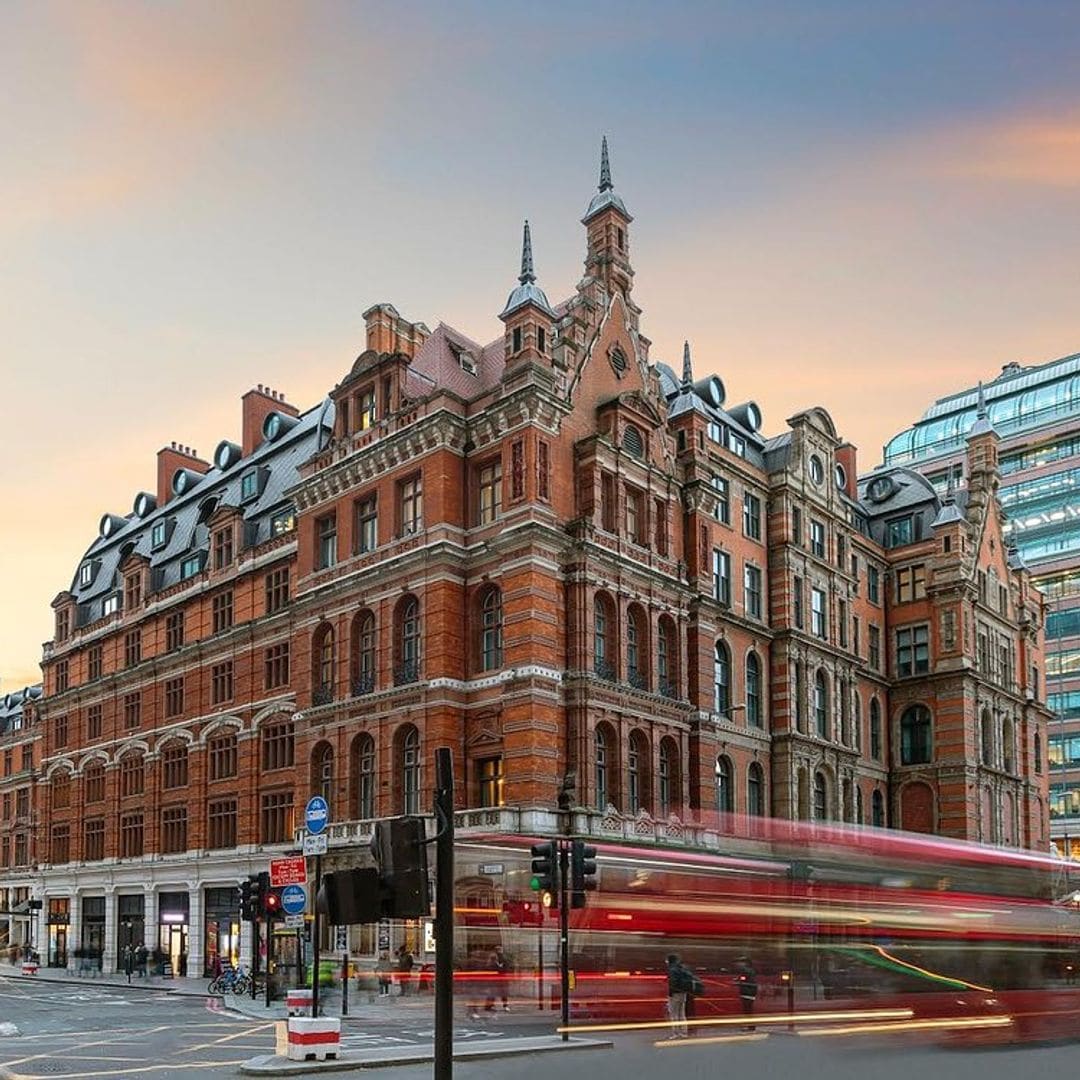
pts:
pixel 316 815
pixel 294 899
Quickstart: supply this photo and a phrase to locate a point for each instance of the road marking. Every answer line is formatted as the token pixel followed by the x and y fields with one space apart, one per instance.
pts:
pixel 184 1067
pixel 81 1046
pixel 225 1038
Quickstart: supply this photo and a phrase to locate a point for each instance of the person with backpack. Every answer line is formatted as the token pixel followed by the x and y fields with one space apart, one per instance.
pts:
pixel 680 986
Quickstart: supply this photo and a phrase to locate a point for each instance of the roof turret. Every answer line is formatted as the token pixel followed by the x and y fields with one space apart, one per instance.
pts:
pixel 527 291
pixel 606 196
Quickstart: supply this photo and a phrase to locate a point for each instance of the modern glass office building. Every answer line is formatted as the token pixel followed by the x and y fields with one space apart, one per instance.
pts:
pixel 1036 411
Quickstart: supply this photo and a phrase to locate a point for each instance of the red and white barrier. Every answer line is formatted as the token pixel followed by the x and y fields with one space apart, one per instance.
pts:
pixel 314 1039
pixel 30 967
pixel 298 1002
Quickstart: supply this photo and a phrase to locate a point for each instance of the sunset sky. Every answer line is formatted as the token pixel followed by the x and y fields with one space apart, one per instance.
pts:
pixel 858 204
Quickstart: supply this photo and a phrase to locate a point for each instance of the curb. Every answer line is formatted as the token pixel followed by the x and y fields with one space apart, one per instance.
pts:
pixel 142 985
pixel 271 1065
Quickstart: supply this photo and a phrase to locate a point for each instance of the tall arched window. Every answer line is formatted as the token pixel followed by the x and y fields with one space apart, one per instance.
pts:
pixel 821 798
pixel 322 772
pixel 408 634
pixel 877 808
pixel 670 794
pixel 1038 752
pixel 875 729
pixel 409 768
pixel 755 790
pixel 637 773
pixel 61 790
pixel 721 678
pixel 1008 756
pixel 754 712
pixel 491 631
pixel 856 719
pixel 821 704
pixel 636 645
pixel 601 769
pixel 986 738
pixel 363 754
pixel 845 714
pixel 915 735
pixel 725 785
pixel 323 650
pixel 860 813
pixel 363 654
pixel 603 652
pixel 800 696
pixel 666 652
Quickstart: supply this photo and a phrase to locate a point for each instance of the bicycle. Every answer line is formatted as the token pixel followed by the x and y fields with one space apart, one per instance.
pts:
pixel 235 980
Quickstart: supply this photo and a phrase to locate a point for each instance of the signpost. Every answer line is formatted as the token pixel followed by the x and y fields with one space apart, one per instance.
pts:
pixel 316 818
pixel 294 899
pixel 291 870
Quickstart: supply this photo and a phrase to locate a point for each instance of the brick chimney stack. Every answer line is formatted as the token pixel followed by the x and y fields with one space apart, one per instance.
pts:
pixel 388 332
pixel 258 404
pixel 169 459
pixel 846 457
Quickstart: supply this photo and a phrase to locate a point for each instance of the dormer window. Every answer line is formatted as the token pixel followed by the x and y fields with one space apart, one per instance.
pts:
pixel 366 408
pixel 191 566
pixel 249 485
pixel 632 442
pixel 111 605
pixel 284 521
pixel 158 535
pixel 517 339
pixel 467 363
pixel 716 432
pixel 737 444
pixel 223 547
pixel 86 573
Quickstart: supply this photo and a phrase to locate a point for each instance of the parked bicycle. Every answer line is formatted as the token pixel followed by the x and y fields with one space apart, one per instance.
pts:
pixel 231 980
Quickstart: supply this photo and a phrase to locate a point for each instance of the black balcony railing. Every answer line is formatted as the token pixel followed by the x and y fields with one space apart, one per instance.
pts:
pixel 667 690
pixel 408 672
pixel 363 684
pixel 605 669
pixel 323 695
pixel 638 680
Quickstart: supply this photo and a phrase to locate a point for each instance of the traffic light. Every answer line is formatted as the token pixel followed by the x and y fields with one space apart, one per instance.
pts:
pixel 351 896
pixel 271 904
pixel 582 872
pixel 545 868
pixel 249 898
pixel 400 850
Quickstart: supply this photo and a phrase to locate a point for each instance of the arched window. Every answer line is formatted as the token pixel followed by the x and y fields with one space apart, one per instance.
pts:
pixel 363 654
pixel 670 794
pixel 408 642
pixel 132 775
pixel 860 813
pixel 821 803
pixel 491 631
pixel 877 808
pixel 174 766
pixel 821 704
pixel 845 714
pixel 666 651
pixel 800 696
pixel 363 762
pixel 323 667
pixel 601 769
pixel 636 645
pixel 847 811
pixel 1038 752
pixel 94 783
pixel 754 714
pixel 915 735
pixel 721 678
pixel 856 719
pixel 322 771
pixel 61 790
pixel 986 738
pixel 725 785
pixel 755 790
pixel 603 652
pixel 637 773
pixel 409 769
pixel 1007 751
pixel 875 729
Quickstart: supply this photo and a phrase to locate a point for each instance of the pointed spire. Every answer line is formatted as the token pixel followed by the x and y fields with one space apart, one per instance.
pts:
pixel 950 488
pixel 982 423
pixel 980 411
pixel 527 274
pixel 687 367
pixel 605 167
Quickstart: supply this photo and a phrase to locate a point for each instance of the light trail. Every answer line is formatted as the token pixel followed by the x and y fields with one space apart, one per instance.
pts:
pixel 758 1021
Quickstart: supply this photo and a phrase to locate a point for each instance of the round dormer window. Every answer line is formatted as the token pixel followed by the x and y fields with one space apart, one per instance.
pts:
pixel 180 482
pixel 841 477
pixel 224 456
pixel 273 426
pixel 817 470
pixel 880 488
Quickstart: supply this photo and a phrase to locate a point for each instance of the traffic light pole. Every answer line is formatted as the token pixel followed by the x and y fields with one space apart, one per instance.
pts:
pixel 254 952
pixel 444 914
pixel 564 937
pixel 316 930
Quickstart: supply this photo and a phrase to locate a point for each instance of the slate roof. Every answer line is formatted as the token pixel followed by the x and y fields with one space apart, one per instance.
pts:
pixel 11 705
pixel 438 361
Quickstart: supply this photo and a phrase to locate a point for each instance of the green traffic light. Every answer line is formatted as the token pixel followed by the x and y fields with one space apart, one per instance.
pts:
pixel 534 884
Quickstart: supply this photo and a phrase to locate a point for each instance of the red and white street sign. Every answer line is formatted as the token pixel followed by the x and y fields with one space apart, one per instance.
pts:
pixel 291 870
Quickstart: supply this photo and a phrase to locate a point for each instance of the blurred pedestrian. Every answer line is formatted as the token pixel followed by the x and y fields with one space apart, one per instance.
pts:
pixel 405 966
pixel 502 966
pixel 680 984
pixel 747 984
pixel 383 970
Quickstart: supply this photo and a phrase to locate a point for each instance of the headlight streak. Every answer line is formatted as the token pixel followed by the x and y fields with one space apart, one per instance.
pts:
pixel 711 1040
pixel 945 1023
pixel 769 1019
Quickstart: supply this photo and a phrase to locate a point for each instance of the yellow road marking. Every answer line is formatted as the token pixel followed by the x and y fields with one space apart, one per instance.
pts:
pixel 186 1066
pixel 758 1021
pixel 225 1038
pixel 666 1044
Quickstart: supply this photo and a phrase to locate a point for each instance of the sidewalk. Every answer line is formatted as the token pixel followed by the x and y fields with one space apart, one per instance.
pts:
pixel 182 987
pixel 272 1065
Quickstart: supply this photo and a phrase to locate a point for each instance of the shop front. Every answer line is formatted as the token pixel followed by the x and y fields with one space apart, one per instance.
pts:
pixel 222 930
pixel 93 930
pixel 173 922
pixel 130 927
pixel 58 920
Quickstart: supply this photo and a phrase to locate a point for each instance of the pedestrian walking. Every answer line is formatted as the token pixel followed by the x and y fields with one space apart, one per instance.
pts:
pixel 747 984
pixel 502 966
pixel 680 984
pixel 405 966
pixel 383 972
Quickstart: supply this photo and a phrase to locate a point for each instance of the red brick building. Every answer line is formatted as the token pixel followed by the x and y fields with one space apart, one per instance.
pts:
pixel 556 556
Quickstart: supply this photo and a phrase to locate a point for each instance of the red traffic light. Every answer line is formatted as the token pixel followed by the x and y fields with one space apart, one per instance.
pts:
pixel 272 904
